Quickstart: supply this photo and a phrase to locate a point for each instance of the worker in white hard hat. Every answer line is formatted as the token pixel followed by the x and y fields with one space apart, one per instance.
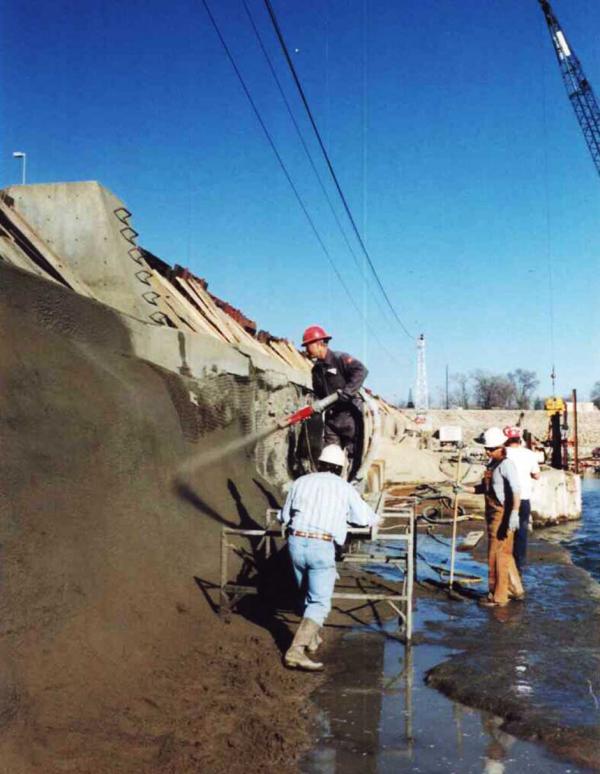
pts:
pixel 502 491
pixel 317 511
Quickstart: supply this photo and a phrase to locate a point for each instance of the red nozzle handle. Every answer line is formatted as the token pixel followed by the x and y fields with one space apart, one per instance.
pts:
pixel 307 412
pixel 297 416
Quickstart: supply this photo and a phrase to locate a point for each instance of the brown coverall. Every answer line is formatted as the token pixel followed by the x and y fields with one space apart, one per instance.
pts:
pixel 503 576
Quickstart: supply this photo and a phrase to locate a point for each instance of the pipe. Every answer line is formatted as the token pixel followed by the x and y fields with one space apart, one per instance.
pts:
pixel 575 433
pixel 371 404
pixel 307 411
pixel 454 521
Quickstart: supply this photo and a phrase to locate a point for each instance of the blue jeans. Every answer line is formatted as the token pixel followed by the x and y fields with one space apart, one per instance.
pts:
pixel 520 544
pixel 313 561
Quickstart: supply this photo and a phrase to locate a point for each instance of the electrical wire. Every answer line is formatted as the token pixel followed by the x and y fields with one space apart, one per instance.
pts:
pixel 288 59
pixel 287 174
pixel 364 154
pixel 306 149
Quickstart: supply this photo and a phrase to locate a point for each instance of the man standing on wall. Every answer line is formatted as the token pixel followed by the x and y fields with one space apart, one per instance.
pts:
pixel 336 372
pixel 317 511
pixel 528 470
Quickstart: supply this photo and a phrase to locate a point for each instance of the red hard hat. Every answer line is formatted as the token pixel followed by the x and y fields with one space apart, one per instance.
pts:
pixel 314 333
pixel 512 432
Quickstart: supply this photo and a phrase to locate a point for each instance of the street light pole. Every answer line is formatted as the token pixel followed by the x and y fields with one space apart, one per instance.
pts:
pixel 23 156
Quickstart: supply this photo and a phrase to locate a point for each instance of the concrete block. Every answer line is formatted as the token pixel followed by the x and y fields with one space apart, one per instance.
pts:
pixel 556 497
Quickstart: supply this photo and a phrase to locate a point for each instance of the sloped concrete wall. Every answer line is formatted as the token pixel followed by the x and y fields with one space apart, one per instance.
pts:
pixel 89 228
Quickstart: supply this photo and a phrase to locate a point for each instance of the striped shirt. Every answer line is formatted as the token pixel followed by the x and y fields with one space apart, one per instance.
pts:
pixel 325 503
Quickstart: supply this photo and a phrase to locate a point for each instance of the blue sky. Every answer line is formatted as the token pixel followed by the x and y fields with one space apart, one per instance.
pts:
pixel 448 126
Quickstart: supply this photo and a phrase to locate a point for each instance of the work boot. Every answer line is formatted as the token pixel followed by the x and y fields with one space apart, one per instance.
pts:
pixel 315 643
pixel 296 658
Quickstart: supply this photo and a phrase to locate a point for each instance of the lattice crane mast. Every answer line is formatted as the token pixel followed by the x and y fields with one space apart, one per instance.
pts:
pixel 577 85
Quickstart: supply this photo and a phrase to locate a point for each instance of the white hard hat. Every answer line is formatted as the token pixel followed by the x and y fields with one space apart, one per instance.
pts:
pixel 493 437
pixel 334 455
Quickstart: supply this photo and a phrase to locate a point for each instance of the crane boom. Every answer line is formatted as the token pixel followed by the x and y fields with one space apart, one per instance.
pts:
pixel 578 87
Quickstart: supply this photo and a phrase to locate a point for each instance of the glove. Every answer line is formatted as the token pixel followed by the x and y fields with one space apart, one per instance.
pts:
pixel 513 522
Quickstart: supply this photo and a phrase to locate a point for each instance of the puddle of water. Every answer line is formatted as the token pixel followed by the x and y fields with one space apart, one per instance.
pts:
pixel 433 551
pixel 377 715
pixel 582 538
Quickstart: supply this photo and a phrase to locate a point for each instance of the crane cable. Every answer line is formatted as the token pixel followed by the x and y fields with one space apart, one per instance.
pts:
pixel 286 54
pixel 287 174
pixel 548 239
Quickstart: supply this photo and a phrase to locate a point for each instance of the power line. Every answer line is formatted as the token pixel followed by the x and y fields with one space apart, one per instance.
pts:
pixel 286 53
pixel 306 150
pixel 285 170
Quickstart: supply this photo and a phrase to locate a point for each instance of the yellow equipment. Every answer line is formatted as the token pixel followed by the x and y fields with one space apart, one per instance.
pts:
pixel 554 406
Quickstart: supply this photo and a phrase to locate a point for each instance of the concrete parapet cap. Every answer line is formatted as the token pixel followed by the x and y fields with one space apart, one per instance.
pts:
pixel 188 354
pixel 266 363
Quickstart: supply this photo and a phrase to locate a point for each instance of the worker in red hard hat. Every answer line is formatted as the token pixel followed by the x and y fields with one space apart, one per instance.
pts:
pixel 336 372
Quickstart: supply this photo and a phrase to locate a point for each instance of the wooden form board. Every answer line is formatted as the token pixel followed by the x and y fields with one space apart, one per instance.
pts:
pixel 163 307
pixel 13 254
pixel 177 313
pixel 470 540
pixel 205 310
pixel 277 348
pixel 226 325
pixel 188 315
pixel 199 319
pixel 20 230
pixel 297 361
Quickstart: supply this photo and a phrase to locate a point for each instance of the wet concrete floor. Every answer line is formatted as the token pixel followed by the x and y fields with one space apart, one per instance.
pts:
pixel 376 714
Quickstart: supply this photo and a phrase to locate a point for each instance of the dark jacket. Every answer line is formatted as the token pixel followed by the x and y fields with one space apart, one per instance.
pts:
pixel 339 371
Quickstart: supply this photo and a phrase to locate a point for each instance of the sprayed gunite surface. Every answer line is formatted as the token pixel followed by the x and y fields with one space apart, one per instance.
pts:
pixel 112 657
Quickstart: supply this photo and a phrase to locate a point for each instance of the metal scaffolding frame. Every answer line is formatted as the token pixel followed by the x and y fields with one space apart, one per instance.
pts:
pixel 391 544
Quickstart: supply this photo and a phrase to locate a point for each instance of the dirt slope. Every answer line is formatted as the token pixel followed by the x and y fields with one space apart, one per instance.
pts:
pixel 111 658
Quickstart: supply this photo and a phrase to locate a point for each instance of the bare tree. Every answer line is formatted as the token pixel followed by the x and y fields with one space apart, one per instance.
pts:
pixel 595 395
pixel 524 383
pixel 493 390
pixel 461 394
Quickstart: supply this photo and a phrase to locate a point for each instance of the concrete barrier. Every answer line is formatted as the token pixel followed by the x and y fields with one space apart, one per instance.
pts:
pixel 556 497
